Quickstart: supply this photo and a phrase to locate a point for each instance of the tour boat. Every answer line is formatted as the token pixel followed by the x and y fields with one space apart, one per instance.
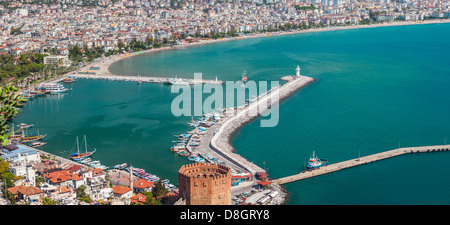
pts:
pixel 13 136
pixel 80 156
pixel 16 137
pixel 54 88
pixel 314 162
pixel 32 138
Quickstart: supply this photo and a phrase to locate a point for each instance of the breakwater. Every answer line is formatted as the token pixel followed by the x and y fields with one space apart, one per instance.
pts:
pixel 221 143
pixel 360 161
pixel 146 79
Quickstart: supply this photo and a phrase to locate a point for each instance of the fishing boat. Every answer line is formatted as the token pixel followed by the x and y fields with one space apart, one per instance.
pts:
pixel 200 160
pixel 86 160
pixel 194 144
pixel 244 77
pixel 120 166
pixel 68 80
pixel 193 157
pixel 37 144
pixel 314 162
pixel 180 82
pixel 168 81
pixel 178 147
pixel 183 153
pixel 80 156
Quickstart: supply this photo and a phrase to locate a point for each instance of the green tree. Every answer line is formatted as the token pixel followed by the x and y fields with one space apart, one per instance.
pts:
pixel 158 190
pixel 75 54
pixel 9 100
pixel 49 201
pixel 81 194
pixel 4 167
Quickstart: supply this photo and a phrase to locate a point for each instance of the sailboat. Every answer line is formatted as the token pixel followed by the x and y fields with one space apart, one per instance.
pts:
pixel 80 156
pixel 15 137
pixel 30 138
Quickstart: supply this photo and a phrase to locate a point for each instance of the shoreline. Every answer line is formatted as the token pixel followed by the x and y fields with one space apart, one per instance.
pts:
pixel 106 63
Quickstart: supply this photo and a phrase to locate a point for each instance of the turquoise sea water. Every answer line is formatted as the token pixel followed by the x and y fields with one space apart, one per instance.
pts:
pixel 375 89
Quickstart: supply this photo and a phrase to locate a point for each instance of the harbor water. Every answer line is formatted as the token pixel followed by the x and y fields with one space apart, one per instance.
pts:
pixel 376 89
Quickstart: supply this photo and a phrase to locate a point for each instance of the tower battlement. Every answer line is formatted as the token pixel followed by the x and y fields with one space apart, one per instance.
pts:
pixel 205 184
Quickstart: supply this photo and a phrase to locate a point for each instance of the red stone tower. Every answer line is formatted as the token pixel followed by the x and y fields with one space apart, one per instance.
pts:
pixel 205 184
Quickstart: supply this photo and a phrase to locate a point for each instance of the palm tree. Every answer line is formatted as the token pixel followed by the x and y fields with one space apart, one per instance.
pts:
pixel 8 102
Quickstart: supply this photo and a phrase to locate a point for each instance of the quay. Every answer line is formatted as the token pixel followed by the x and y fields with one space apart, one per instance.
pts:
pixel 361 161
pixel 144 79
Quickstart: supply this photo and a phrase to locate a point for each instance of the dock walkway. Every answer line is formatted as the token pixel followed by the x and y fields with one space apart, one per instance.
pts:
pixel 360 161
pixel 144 79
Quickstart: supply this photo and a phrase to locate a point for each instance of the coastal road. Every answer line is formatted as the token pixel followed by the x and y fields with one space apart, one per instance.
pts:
pixel 205 148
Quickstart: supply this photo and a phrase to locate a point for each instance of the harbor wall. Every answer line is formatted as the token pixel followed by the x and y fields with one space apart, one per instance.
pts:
pixel 361 161
pixel 221 142
pixel 144 79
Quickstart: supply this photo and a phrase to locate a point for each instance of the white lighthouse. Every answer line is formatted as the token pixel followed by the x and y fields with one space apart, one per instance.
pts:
pixel 297 71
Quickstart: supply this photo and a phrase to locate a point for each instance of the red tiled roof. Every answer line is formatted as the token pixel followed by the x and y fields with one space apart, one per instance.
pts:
pixel 62 189
pixel 77 177
pixel 59 176
pixel 264 182
pixel 120 189
pixel 139 198
pixel 74 168
pixel 25 190
pixel 142 183
pixel 96 172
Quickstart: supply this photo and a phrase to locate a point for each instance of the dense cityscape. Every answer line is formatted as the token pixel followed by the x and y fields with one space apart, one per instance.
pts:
pixel 40 26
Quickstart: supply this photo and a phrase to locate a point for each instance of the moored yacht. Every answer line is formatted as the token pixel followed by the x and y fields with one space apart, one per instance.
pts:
pixel 53 87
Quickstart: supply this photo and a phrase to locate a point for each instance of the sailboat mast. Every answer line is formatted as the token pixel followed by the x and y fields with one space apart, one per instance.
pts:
pixel 78 147
pixel 85 143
